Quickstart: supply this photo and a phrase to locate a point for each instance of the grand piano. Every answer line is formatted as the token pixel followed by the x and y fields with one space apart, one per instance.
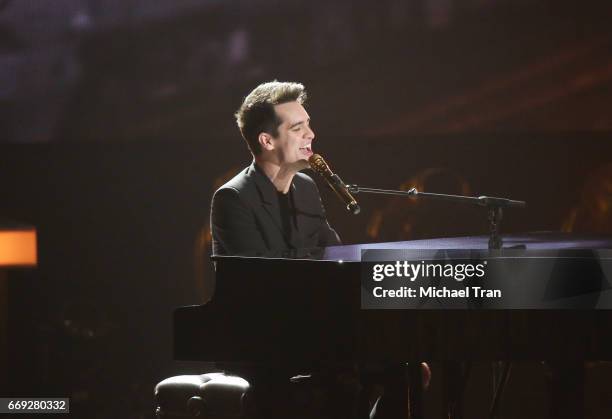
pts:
pixel 306 311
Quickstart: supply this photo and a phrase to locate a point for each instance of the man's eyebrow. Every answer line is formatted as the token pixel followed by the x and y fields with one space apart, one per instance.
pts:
pixel 298 123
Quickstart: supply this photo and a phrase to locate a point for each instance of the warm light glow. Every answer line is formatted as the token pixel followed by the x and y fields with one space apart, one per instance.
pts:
pixel 18 247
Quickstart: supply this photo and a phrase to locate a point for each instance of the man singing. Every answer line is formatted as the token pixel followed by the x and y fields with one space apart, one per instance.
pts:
pixel 270 208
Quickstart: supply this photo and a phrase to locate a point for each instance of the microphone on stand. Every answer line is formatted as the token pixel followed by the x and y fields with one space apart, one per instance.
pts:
pixel 321 168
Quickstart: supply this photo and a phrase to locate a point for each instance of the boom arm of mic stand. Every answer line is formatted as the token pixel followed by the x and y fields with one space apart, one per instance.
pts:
pixel 483 201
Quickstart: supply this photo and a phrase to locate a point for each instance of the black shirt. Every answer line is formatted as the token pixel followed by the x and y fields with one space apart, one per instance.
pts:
pixel 287 214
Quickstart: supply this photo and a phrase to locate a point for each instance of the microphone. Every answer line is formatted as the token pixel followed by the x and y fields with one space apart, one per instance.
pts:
pixel 321 168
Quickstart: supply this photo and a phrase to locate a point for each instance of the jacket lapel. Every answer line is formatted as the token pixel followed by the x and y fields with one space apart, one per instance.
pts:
pixel 269 200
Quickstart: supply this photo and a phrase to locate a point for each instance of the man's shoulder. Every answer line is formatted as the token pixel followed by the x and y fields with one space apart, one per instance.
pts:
pixel 242 182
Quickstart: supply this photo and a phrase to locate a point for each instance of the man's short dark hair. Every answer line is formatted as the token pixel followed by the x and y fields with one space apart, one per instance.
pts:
pixel 257 115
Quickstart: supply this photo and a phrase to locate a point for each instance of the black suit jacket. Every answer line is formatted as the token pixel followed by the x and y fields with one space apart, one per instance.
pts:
pixel 245 217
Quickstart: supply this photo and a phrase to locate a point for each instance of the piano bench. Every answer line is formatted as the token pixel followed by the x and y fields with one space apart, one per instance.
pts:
pixel 206 396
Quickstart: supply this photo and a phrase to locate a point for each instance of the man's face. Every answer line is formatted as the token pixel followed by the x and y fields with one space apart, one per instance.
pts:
pixel 293 144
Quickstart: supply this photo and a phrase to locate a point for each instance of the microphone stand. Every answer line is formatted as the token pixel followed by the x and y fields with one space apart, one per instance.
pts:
pixel 494 206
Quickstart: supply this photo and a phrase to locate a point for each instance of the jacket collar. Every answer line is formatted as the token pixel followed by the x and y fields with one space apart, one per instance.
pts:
pixel 269 199
pixel 265 187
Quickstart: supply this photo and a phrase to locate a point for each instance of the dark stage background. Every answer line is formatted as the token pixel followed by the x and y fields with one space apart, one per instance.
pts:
pixel 116 127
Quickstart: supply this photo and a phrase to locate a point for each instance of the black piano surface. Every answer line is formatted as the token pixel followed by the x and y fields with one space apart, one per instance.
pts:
pixel 307 311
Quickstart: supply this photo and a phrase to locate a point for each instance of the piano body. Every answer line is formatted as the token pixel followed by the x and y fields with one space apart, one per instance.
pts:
pixel 307 311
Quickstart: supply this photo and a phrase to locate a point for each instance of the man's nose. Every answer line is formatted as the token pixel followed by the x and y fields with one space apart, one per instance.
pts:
pixel 310 133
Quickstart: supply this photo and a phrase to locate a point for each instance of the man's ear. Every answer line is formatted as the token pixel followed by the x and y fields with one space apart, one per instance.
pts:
pixel 265 141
